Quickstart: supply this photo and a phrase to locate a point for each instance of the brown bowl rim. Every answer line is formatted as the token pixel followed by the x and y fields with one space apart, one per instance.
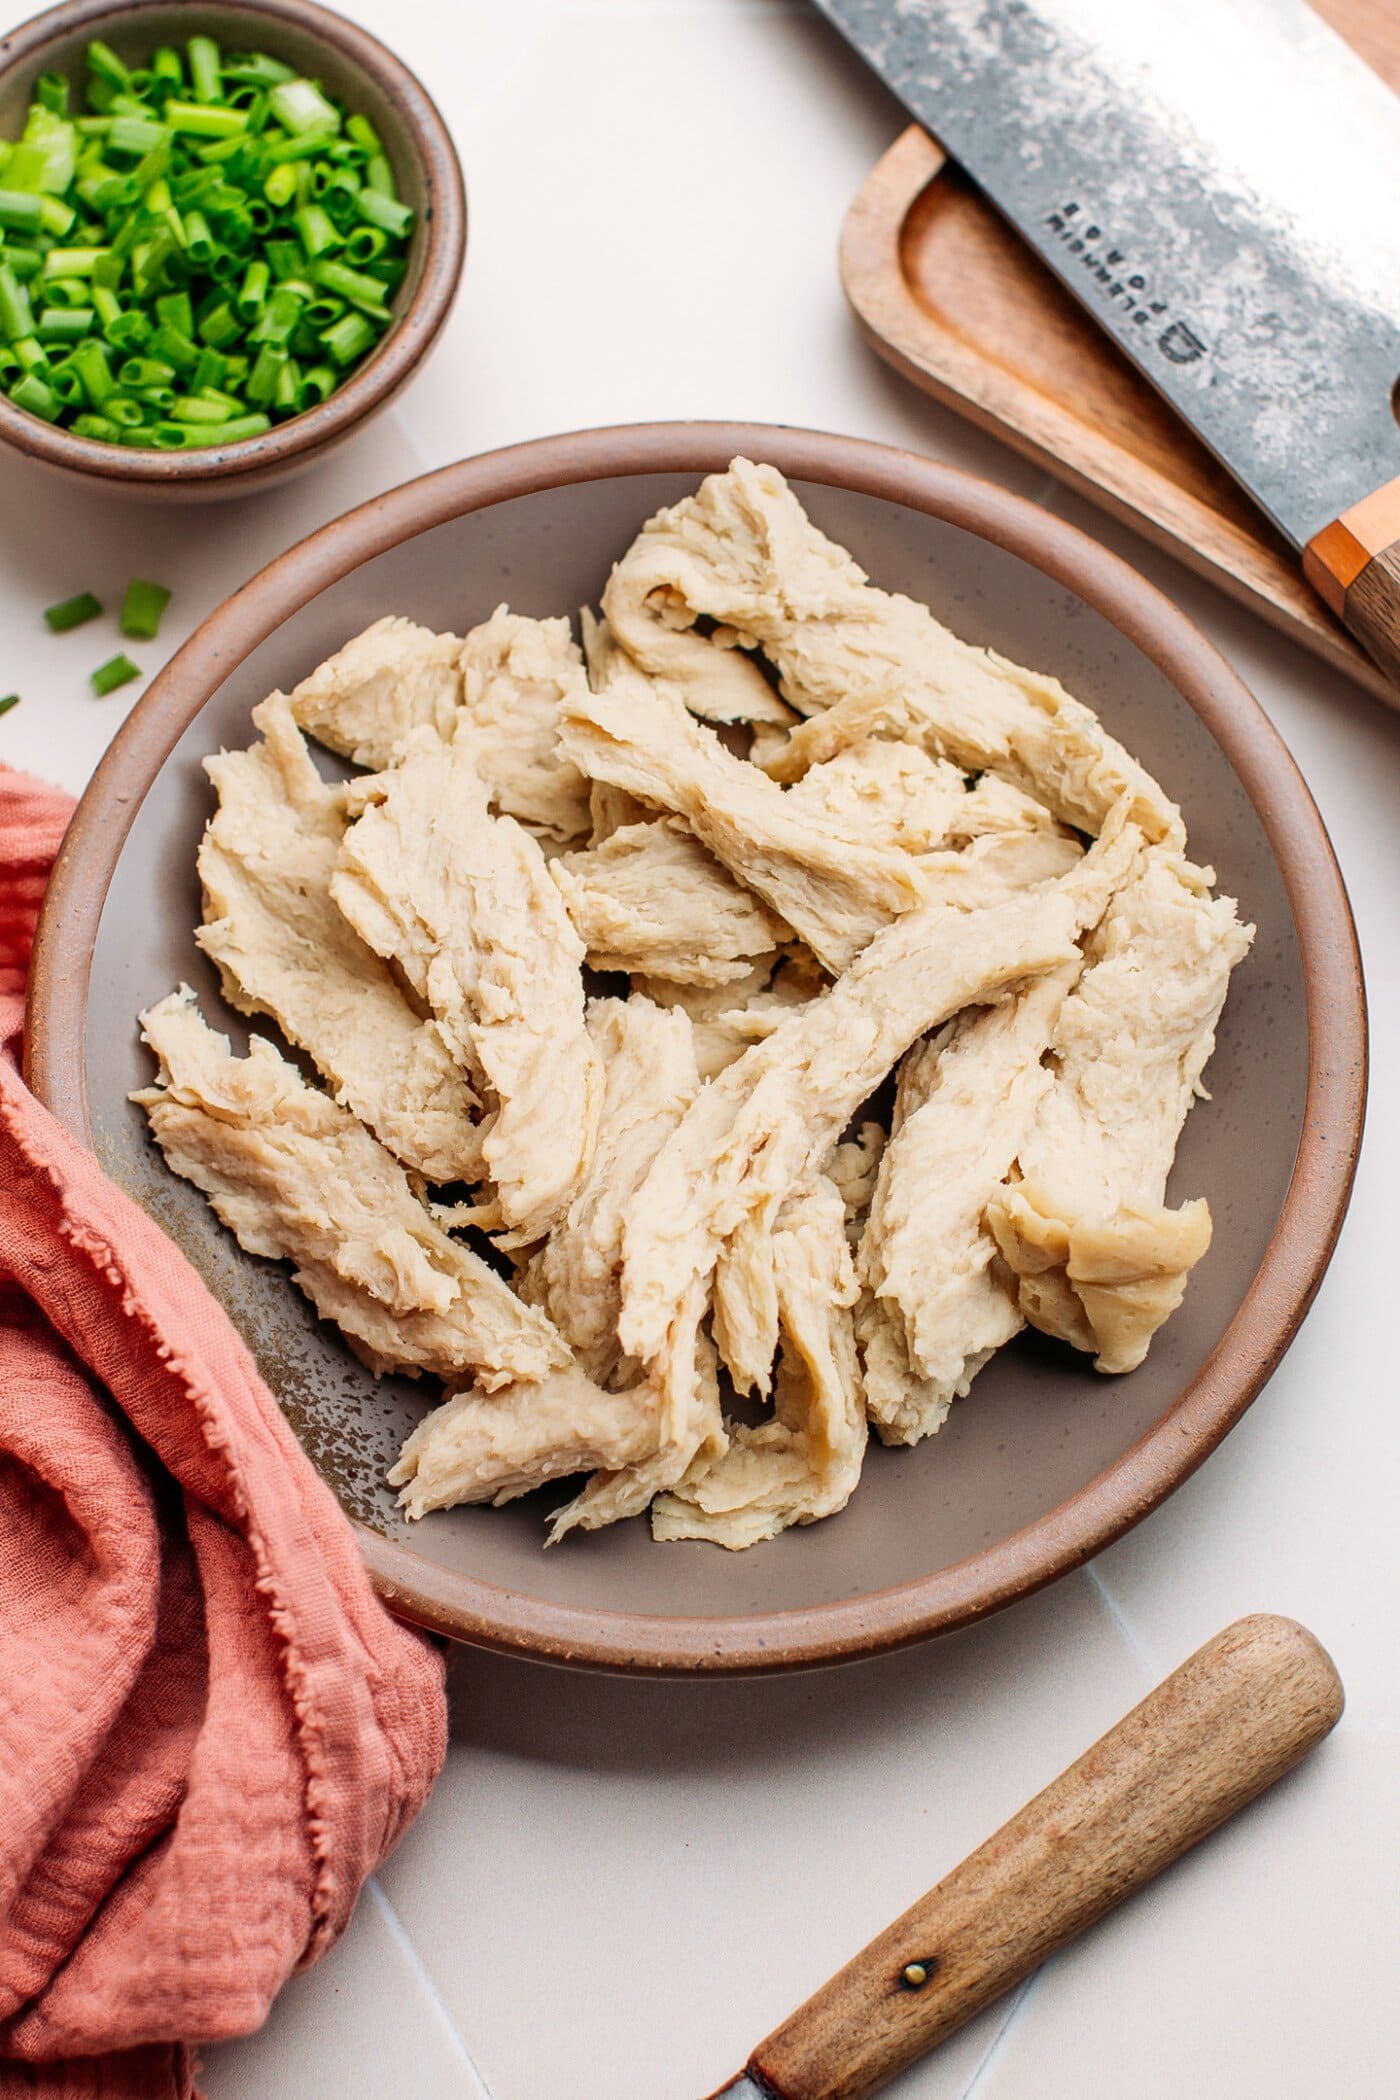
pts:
pixel 400 351
pixel 487 1615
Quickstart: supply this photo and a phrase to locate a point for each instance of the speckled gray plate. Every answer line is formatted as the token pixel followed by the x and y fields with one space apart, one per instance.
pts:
pixel 1046 1461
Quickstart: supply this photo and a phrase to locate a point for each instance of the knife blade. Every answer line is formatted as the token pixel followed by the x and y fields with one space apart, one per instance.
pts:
pixel 1216 182
pixel 1235 1717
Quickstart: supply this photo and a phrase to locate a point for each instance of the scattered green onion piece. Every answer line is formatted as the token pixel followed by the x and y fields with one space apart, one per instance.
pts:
pixel 95 426
pixel 379 176
pixel 193 120
pixel 174 310
pixel 204 58
pixel 385 212
pixel 175 349
pixel 16 315
pixel 318 382
pixel 10 700
pixel 64 324
pixel 25 262
pixel 234 431
pixel 103 61
pixel 89 361
pixel 71 262
pixel 199 239
pixel 261 388
pixel 72 612
pixel 252 293
pixel 106 303
pixel 31 354
pixel 51 89
pixel 219 326
pixel 65 383
pixel 19 211
pixel 144 371
pixel 32 393
pixel 257 67
pixel 299 107
pixel 136 135
pixel 317 232
pixel 279 185
pixel 118 670
pixel 363 291
pixel 348 339
pixel 124 412
pixel 166 64
pixel 129 331
pixel 56 217
pixel 141 609
pixel 365 245
pixel 191 408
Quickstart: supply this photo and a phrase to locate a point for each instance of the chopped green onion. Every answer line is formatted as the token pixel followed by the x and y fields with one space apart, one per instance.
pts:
pixel 348 339
pixel 209 241
pixel 19 211
pixel 118 670
pixel 385 212
pixel 64 324
pixel 103 61
pixel 257 67
pixel 203 54
pixel 299 107
pixel 16 316
pixel 196 121
pixel 73 612
pixel 141 609
pixel 316 230
pixel 10 700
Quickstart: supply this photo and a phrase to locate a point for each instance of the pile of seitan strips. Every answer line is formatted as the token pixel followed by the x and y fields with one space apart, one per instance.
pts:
pixel 813 840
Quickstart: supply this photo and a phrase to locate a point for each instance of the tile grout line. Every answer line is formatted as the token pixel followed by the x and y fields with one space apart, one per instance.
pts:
pixel 402 1940
pixel 1115 1612
pixel 1018 2006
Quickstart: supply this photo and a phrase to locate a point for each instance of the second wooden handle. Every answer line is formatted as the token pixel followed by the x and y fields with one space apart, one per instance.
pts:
pixel 1223 1727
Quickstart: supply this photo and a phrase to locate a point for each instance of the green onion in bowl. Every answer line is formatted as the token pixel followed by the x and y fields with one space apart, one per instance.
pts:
pixel 191 253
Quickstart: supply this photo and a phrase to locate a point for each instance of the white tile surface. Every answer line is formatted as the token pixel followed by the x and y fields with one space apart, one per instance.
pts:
pixel 365 2022
pixel 618 1888
pixel 701 1856
pixel 1235 1973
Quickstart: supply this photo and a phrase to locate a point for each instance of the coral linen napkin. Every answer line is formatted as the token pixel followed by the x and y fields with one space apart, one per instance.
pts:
pixel 210 1731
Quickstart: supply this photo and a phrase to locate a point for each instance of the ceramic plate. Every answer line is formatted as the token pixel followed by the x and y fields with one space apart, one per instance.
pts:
pixel 1046 1461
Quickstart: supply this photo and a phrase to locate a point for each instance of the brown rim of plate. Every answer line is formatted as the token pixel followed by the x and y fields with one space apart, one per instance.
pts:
pixel 400 351
pixel 489 1616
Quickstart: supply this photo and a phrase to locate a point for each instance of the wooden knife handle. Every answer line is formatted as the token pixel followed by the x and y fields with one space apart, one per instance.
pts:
pixel 1223 1727
pixel 1354 565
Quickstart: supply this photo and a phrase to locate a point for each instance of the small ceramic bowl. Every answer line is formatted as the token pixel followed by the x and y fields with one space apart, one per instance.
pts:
pixel 354 66
pixel 1046 1461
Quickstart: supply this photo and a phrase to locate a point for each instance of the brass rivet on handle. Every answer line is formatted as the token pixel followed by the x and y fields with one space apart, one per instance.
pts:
pixel 916 1975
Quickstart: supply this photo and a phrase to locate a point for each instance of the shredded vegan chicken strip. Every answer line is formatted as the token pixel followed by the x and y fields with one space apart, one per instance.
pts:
pixel 1101 1260
pixel 296 1178
pixel 805 1462
pixel 835 892
pixel 650 1080
pixel 515 674
pixel 266 862
pixel 767 1121
pixel 652 900
pixel 392 679
pixel 491 1447
pixel 860 661
pixel 965 1103
pixel 465 903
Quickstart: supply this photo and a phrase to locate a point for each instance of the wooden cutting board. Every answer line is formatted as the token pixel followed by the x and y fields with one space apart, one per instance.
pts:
pixel 951 297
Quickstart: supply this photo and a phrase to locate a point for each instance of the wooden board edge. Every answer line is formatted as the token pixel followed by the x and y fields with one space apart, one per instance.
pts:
pixel 1164 513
